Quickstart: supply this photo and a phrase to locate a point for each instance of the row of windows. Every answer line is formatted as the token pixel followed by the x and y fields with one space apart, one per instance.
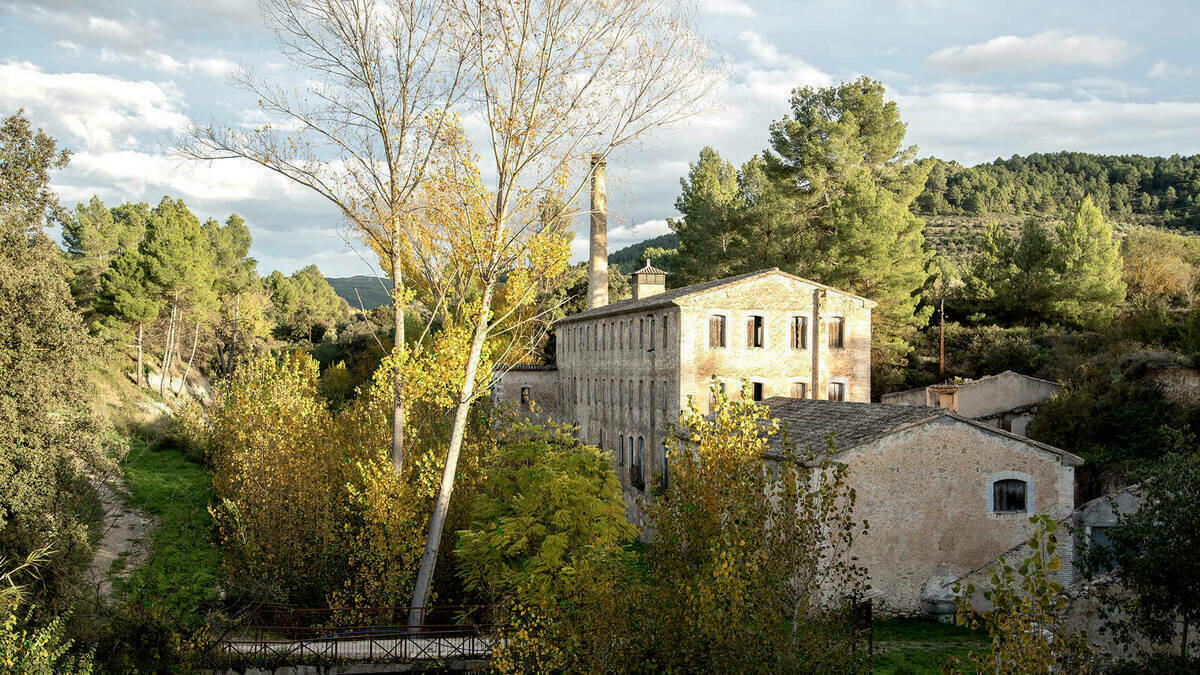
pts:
pixel 756 332
pixel 635 448
pixel 613 395
pixel 617 335
pixel 834 391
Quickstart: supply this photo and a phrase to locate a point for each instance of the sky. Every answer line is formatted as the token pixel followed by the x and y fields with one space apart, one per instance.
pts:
pixel 115 80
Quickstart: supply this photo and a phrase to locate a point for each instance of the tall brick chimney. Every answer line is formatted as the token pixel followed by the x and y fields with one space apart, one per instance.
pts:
pixel 598 259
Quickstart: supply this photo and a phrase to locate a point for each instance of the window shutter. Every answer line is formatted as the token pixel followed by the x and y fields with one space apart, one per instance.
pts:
pixel 750 332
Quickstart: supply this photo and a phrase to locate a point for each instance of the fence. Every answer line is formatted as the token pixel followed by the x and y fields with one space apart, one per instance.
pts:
pixel 279 636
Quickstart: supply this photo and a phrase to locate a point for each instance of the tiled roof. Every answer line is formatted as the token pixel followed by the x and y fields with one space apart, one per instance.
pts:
pixel 670 296
pixel 649 269
pixel 807 423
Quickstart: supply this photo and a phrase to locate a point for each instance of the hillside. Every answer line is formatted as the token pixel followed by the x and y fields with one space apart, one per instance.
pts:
pixel 631 258
pixel 372 290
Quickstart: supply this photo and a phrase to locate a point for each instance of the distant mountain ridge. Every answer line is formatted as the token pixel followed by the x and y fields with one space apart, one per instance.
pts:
pixel 372 290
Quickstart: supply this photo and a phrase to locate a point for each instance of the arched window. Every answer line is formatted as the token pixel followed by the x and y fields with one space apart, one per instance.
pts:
pixel 1010 492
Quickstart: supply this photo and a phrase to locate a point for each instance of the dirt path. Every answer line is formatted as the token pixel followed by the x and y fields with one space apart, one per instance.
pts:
pixel 124 536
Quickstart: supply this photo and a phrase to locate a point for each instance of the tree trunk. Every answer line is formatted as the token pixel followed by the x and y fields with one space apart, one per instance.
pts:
pixel 140 374
pixel 232 355
pixel 397 349
pixel 166 362
pixel 442 506
pixel 195 340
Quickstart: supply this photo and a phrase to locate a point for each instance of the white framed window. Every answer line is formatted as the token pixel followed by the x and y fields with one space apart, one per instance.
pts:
pixel 799 332
pixel 837 332
pixel 716 331
pixel 756 332
pixel 1010 492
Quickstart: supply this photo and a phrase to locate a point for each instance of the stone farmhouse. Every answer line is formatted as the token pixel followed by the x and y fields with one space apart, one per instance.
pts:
pixel 943 494
pixel 946 488
pixel 1007 400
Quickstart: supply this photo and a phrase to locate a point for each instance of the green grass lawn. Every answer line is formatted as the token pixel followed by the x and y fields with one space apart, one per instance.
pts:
pixel 918 646
pixel 181 574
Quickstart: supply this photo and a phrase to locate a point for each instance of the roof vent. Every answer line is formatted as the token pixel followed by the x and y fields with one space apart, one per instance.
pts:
pixel 648 281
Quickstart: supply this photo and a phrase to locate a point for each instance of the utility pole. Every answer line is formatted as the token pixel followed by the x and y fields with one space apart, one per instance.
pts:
pixel 942 342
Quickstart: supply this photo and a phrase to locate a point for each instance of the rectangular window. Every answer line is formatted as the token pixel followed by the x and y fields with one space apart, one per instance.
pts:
pixel 666 468
pixel 754 332
pixel 524 397
pixel 799 332
pixel 651 334
pixel 837 332
pixel 664 332
pixel 799 390
pixel 837 391
pixel 653 417
pixel 716 331
pixel 640 469
pixel 641 333
pixel 758 391
pixel 621 455
pixel 1008 496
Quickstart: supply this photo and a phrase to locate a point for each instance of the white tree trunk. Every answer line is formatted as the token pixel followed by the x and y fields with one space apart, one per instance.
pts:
pixel 442 506
pixel 167 349
pixel 195 340
pixel 140 375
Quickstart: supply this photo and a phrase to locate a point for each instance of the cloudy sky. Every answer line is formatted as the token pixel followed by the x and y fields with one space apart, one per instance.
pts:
pixel 113 80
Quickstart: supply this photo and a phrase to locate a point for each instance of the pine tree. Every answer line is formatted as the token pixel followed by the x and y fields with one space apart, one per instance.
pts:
pixel 709 240
pixel 1089 265
pixel 178 262
pixel 125 292
pixel 839 157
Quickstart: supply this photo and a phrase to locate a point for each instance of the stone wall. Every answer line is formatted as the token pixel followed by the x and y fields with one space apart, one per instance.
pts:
pixel 925 492
pixel 540 384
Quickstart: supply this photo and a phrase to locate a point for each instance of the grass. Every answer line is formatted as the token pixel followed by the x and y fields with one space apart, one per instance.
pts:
pixel 181 574
pixel 920 646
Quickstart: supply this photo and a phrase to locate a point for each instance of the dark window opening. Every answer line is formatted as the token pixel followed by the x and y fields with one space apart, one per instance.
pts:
pixel 754 332
pixel 837 333
pixel 664 331
pixel 524 397
pixel 758 391
pixel 716 331
pixel 621 455
pixel 799 332
pixel 1008 496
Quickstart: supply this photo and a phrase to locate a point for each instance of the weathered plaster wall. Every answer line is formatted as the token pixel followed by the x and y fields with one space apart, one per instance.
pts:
pixel 543 393
pixel 1006 391
pixel 925 492
pixel 777 365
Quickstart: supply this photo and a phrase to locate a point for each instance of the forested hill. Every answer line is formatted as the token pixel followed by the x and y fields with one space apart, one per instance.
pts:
pixel 372 290
pixel 631 258
pixel 958 200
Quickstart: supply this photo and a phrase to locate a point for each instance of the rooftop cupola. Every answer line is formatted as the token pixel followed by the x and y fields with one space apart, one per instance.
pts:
pixel 648 281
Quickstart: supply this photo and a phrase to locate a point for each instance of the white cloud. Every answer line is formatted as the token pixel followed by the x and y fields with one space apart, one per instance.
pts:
pixel 639 231
pixel 1010 52
pixel 67 46
pixel 151 59
pixel 974 127
pixel 97 111
pixel 735 8
pixel 1164 70
pixel 1098 87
